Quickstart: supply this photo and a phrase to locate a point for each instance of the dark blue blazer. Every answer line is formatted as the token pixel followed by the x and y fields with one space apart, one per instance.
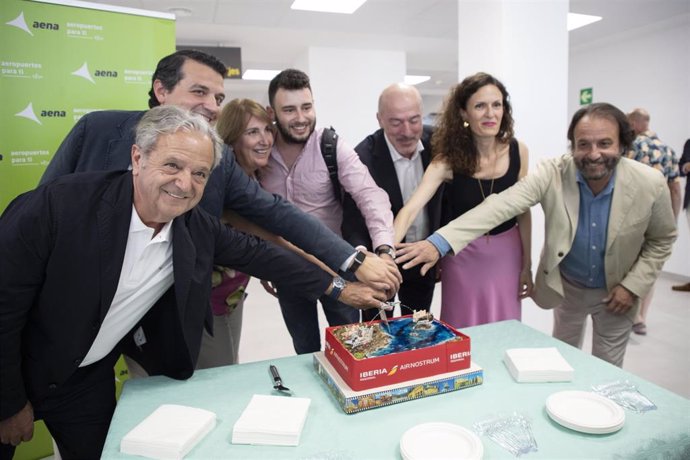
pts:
pixel 103 141
pixel 374 153
pixel 61 252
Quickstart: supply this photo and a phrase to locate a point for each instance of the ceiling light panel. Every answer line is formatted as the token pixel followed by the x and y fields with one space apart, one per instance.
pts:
pixel 416 79
pixel 259 74
pixel 328 6
pixel 576 20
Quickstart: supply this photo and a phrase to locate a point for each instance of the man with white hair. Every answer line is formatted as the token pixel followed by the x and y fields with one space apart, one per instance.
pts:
pixel 100 263
pixel 397 154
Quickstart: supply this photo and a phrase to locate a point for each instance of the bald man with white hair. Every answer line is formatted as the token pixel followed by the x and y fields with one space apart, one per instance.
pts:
pixel 397 155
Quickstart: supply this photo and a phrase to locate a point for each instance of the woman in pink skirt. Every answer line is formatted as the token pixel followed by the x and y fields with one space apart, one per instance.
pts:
pixel 476 155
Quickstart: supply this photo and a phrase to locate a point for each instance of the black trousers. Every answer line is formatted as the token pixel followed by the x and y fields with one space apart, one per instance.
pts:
pixel 78 413
pixel 416 293
pixel 302 321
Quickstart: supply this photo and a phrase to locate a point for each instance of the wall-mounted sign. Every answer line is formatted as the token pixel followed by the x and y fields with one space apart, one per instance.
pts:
pixel 586 96
pixel 231 57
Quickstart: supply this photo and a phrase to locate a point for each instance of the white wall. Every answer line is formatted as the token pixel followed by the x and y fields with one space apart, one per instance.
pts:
pixel 532 62
pixel 432 103
pixel 536 76
pixel 648 68
pixel 347 83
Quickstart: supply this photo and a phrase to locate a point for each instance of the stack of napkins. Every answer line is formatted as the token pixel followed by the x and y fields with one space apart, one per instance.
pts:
pixel 538 365
pixel 170 432
pixel 271 420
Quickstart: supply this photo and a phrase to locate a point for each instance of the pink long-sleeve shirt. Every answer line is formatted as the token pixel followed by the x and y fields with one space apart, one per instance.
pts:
pixel 308 186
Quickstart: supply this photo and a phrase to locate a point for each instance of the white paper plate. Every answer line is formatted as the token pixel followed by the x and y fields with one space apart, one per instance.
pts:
pixel 585 411
pixel 440 441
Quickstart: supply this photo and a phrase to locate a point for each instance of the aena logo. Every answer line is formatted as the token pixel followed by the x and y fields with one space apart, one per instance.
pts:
pixel 106 73
pixel 45 25
pixel 53 113
pixel 29 114
pixel 20 23
pixel 84 73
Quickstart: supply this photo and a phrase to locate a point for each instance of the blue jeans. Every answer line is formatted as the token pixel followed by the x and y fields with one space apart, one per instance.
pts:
pixel 302 321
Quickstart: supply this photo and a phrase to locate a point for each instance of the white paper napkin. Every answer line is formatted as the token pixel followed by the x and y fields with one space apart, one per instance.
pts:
pixel 271 420
pixel 170 432
pixel 538 365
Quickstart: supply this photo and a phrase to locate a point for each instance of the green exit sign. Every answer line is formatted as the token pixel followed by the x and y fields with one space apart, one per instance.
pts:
pixel 586 96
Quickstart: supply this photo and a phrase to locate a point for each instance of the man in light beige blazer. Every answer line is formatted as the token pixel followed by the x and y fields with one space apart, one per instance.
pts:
pixel 609 228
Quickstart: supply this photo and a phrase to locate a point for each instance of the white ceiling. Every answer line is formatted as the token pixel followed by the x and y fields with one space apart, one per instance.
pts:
pixel 272 35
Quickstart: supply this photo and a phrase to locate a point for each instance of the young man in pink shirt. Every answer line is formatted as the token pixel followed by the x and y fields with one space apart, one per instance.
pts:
pixel 297 172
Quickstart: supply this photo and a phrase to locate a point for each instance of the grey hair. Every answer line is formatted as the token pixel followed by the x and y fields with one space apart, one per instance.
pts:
pixel 169 119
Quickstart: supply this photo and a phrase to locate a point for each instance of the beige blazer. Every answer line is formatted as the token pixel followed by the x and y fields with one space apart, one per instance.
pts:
pixel 641 228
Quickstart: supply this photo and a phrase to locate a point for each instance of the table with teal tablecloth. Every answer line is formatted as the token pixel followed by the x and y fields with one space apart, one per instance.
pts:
pixel 329 433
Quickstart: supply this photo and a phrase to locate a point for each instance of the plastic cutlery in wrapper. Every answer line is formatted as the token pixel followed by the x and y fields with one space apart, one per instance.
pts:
pixel 626 395
pixel 511 432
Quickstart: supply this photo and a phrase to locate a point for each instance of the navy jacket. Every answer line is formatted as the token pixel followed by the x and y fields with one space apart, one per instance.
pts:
pixel 61 252
pixel 103 141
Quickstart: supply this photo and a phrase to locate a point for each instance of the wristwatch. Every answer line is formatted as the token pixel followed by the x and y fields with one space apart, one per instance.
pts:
pixel 357 261
pixel 337 287
pixel 385 249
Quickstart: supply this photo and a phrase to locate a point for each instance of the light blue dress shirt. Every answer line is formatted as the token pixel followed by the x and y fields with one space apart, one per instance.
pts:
pixel 584 264
pixel 439 243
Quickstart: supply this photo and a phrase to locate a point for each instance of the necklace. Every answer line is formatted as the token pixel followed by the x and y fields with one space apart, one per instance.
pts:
pixel 491 189
pixel 481 188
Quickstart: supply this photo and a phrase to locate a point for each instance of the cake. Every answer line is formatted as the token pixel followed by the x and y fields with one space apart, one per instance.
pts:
pixel 372 354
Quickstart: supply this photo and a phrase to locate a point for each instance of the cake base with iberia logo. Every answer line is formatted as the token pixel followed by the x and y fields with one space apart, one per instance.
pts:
pixel 370 355
pixel 352 401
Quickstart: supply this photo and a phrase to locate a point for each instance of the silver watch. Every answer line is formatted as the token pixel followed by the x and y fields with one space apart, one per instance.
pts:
pixel 385 249
pixel 338 285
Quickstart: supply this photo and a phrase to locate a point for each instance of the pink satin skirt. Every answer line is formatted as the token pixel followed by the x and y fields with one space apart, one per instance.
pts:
pixel 480 284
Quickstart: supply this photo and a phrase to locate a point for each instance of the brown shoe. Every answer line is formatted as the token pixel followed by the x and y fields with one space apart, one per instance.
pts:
pixel 682 287
pixel 639 328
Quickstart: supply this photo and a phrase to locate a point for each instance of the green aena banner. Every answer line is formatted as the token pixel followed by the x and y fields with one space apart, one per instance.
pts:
pixel 61 61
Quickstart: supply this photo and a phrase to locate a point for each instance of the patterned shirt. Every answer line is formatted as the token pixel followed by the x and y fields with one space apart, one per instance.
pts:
pixel 648 149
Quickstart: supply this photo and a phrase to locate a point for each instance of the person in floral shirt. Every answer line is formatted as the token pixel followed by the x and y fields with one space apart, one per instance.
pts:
pixel 649 149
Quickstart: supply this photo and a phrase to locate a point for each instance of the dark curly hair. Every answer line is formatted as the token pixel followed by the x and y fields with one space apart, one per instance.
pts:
pixel 288 79
pixel 454 143
pixel 608 111
pixel 169 70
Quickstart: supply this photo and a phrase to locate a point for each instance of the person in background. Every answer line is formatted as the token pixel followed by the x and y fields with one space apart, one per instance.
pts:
pixel 684 167
pixel 297 171
pixel 477 156
pixel 397 155
pixel 609 228
pixel 100 263
pixel 647 148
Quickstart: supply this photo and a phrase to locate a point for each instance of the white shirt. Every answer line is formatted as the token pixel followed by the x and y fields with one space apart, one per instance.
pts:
pixel 147 272
pixel 410 172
